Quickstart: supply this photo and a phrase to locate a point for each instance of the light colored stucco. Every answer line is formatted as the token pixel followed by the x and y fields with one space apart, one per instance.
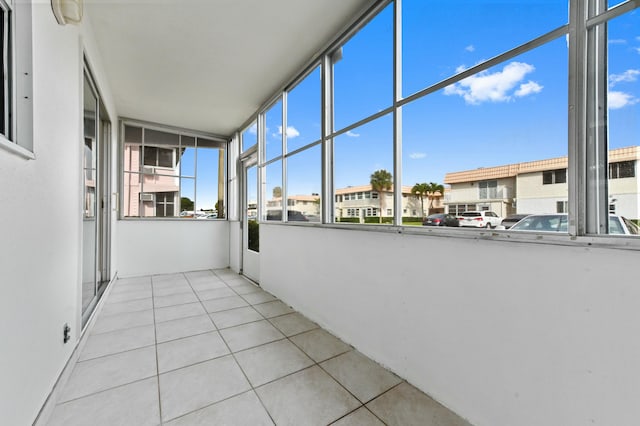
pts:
pixel 41 245
pixel 503 333
pixel 147 247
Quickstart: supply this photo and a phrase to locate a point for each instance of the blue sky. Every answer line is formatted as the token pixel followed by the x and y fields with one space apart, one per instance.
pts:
pixel 513 112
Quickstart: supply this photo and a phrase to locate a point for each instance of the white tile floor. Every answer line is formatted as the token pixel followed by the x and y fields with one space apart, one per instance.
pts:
pixel 211 348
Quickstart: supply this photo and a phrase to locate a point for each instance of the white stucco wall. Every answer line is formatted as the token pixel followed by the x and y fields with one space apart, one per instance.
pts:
pixel 626 193
pixel 164 246
pixel 41 217
pixel 503 333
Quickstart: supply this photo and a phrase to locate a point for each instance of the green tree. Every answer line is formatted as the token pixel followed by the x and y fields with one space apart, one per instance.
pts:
pixel 420 190
pixel 432 189
pixel 186 204
pixel 381 181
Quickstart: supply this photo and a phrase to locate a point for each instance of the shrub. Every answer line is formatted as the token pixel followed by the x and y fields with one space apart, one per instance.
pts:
pixel 254 235
pixel 376 219
pixel 411 219
pixel 348 219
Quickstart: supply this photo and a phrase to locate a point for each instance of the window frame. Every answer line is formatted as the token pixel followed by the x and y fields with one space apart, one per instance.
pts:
pixel 16 134
pixel 586 172
pixel 220 142
pixel 618 168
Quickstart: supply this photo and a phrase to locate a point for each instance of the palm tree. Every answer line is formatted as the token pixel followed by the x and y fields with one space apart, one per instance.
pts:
pixel 432 188
pixel 421 190
pixel 381 181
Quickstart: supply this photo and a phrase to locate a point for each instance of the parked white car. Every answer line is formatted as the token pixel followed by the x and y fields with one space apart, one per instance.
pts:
pixel 480 219
pixel 618 225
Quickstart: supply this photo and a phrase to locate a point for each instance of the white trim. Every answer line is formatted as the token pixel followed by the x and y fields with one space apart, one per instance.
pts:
pixel 16 149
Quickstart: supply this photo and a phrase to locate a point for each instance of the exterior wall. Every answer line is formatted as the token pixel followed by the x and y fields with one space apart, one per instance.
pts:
pixel 305 204
pixel 500 346
pixel 163 246
pixel 528 193
pixel 41 216
pixel 163 180
pixel 462 193
pixel 530 186
pixel 625 195
pixel 535 198
pixel 469 193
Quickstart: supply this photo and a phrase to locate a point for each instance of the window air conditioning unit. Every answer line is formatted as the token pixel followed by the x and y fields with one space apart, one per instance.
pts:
pixel 146 196
pixel 148 170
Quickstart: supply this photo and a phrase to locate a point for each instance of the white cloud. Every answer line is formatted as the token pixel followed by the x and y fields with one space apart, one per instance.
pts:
pixel 253 129
pixel 619 100
pixel 352 134
pixel 494 87
pixel 417 155
pixel 617 41
pixel 528 88
pixel 629 76
pixel 470 48
pixel 292 132
pixel 637 49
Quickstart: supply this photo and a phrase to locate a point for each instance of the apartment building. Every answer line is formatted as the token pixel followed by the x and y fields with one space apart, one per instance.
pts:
pixel 541 186
pixel 362 201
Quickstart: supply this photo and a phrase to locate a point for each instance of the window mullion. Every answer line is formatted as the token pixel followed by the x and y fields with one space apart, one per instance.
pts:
pixel 577 118
pixel 397 114
pixel 597 212
pixel 328 207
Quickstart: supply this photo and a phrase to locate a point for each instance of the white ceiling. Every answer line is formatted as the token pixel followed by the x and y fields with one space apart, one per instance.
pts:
pixel 208 64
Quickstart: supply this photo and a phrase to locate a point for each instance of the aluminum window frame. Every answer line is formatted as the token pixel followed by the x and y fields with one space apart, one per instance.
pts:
pixel 587 171
pixel 221 141
pixel 17 46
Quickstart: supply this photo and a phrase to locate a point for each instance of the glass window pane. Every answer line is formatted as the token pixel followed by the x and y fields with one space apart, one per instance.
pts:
pixel 623 129
pixel 174 169
pixel 249 136
pixel 253 231
pixel 157 137
pixel 131 194
pixel 273 131
pixel 474 32
pixel 187 197
pixel 362 157
pixel 507 124
pixel 272 208
pixel 132 134
pixel 304 185
pixel 613 3
pixel 209 162
pixel 303 112
pixel 363 71
pixel 165 157
pixel 187 159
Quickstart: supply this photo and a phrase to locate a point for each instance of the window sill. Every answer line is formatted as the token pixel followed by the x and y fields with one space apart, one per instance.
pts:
pixel 600 241
pixel 16 149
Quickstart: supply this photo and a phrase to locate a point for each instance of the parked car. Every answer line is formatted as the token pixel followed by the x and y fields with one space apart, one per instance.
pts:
pixel 618 225
pixel 511 220
pixel 480 219
pixel 292 215
pixel 440 219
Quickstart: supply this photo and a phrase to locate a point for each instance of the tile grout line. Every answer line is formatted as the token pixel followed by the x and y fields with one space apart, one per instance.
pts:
pixel 288 338
pixel 229 354
pixel 253 389
pixel 155 337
